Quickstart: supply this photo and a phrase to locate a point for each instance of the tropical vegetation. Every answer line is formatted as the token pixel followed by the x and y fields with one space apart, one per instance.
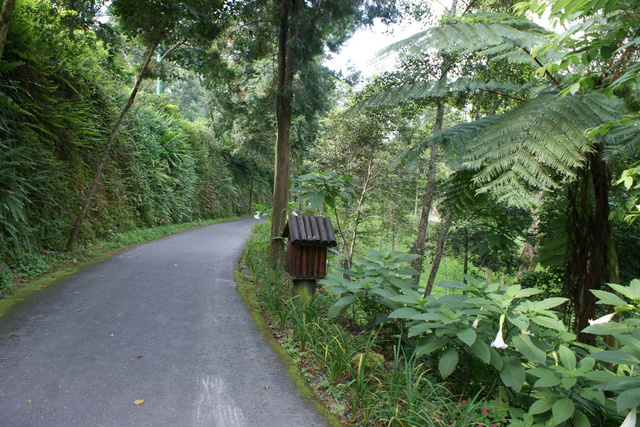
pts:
pixel 484 193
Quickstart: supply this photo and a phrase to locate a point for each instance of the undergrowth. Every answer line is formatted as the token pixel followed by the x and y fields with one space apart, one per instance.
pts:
pixel 363 376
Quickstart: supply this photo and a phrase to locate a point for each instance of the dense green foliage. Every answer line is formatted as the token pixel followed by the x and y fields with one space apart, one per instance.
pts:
pixel 61 87
pixel 483 353
pixel 525 141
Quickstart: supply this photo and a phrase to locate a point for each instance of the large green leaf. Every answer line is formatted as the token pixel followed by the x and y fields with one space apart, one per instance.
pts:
pixel 549 322
pixel 608 298
pixel 341 305
pixel 314 200
pixel 497 361
pixel 617 357
pixel 448 362
pixel 609 328
pixel 481 350
pixel 422 328
pixel 525 346
pixel 549 303
pixel 541 406
pixel 563 409
pixel 431 344
pixel 404 313
pixel 546 377
pixel 600 376
pixel 512 373
pixel 404 257
pixel 630 340
pixel 451 284
pixel 527 292
pixel 628 399
pixel 622 384
pixel 580 419
pixel 567 358
pixel 628 291
pixel 467 336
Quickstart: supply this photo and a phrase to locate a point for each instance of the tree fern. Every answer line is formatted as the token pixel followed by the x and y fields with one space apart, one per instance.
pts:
pixel 459 196
pixel 540 143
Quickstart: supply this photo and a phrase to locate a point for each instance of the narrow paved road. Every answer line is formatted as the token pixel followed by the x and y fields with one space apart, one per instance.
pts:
pixel 160 322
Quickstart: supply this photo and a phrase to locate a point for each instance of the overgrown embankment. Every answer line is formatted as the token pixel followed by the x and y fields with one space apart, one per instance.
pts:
pixel 361 375
pixel 380 352
pixel 60 91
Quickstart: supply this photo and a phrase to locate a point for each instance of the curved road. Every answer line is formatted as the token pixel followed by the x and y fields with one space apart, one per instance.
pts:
pixel 160 322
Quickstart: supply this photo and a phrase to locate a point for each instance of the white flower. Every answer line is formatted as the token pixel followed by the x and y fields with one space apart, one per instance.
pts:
pixel 475 323
pixel 603 319
pixel 499 341
pixel 630 421
pixel 257 215
pixel 526 332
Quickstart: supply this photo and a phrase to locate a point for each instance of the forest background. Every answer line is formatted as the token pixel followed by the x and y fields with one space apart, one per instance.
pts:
pixel 500 157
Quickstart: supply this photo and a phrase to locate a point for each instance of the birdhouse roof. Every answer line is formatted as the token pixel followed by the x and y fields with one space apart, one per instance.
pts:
pixel 307 230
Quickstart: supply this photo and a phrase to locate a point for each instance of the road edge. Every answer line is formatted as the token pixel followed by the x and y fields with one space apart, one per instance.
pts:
pixel 246 289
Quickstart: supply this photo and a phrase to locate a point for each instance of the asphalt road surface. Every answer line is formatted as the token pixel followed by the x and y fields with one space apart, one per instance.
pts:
pixel 160 322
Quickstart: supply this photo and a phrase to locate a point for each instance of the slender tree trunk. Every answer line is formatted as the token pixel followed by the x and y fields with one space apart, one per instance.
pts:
pixel 250 209
pixel 289 9
pixel 416 202
pixel 442 238
pixel 365 188
pixel 105 153
pixel 418 247
pixel 465 263
pixel 5 19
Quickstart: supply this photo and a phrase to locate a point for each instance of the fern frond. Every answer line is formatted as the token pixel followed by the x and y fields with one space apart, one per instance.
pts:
pixel 438 89
pixel 454 143
pixel 540 143
pixel 476 33
pixel 623 140
pixel 459 194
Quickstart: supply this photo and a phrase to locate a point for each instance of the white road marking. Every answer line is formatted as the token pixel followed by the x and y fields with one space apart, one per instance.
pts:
pixel 215 407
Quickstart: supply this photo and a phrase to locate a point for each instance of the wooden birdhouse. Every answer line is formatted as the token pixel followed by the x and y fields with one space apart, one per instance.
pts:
pixel 309 238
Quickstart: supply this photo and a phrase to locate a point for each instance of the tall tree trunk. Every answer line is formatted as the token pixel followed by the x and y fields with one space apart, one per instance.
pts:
pixel 289 11
pixel 5 19
pixel 442 238
pixel 418 247
pixel 416 202
pixel 592 258
pixel 105 153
